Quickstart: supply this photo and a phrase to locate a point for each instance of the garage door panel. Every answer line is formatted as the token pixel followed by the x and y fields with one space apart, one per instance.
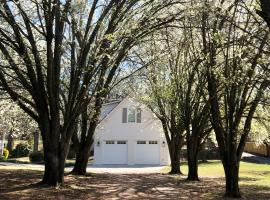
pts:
pixel 147 152
pixel 115 152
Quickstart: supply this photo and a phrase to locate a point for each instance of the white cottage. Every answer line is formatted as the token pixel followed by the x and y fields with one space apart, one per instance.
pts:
pixel 129 134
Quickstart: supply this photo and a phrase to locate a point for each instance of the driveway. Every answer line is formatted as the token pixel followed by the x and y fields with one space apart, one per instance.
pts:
pixel 128 169
pixel 255 158
pixel 23 166
pixel 111 169
pixel 125 169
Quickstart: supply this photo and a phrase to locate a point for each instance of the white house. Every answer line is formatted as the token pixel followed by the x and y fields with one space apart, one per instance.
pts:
pixel 129 134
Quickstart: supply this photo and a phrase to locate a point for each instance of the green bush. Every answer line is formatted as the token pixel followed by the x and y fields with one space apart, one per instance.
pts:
pixel 21 150
pixel 5 154
pixel 36 157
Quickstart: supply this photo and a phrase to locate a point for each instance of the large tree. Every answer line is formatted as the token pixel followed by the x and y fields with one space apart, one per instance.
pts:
pixel 56 52
pixel 159 95
pixel 173 86
pixel 237 75
pixel 124 28
pixel 15 123
pixel 264 12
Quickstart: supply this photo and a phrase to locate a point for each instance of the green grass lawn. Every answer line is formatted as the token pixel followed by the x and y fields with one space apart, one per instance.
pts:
pixel 250 173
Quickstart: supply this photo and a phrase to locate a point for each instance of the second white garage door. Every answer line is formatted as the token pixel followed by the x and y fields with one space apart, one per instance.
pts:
pixel 147 152
pixel 115 152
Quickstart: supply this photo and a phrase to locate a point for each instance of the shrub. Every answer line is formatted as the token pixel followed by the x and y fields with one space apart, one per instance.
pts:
pixel 21 150
pixel 35 157
pixel 5 154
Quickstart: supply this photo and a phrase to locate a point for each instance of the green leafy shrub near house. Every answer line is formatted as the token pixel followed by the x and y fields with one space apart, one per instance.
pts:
pixel 5 154
pixel 36 157
pixel 21 150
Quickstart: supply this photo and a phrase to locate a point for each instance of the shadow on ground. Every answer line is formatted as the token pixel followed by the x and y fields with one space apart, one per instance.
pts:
pixel 16 184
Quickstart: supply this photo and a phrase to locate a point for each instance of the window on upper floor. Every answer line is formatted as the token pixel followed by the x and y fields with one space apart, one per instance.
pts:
pixel 131 115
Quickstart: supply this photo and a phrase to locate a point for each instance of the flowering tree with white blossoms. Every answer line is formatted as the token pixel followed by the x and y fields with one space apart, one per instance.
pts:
pixel 62 55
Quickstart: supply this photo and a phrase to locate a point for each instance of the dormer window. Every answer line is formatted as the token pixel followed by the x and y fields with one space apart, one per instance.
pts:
pixel 131 115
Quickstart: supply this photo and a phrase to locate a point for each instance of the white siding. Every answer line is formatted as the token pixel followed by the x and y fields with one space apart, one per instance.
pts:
pixel 112 128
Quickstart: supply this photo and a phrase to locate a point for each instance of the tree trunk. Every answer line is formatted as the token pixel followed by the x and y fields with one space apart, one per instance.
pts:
pixel 192 165
pixel 36 141
pixel 54 166
pixel 55 152
pixel 175 160
pixel 267 149
pixel 192 156
pixel 84 146
pixel 175 167
pixel 51 173
pixel 232 178
pixel 10 143
pixel 62 160
pixel 81 162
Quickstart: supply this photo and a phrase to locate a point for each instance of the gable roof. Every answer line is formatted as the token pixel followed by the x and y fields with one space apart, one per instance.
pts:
pixel 107 108
pixel 106 112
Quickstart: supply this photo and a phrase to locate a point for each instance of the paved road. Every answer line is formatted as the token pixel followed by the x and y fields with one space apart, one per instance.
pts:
pixel 255 159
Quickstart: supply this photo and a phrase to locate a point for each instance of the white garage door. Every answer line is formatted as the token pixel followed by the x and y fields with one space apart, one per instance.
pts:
pixel 147 152
pixel 115 152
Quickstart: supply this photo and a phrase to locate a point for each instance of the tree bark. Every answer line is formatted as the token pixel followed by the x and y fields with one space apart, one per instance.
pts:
pixel 175 167
pixel 81 162
pixel 51 173
pixel 267 146
pixel 268 150
pixel 175 160
pixel 86 140
pixel 62 160
pixel 36 141
pixel 10 144
pixel 55 158
pixel 55 152
pixel 192 165
pixel 232 178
